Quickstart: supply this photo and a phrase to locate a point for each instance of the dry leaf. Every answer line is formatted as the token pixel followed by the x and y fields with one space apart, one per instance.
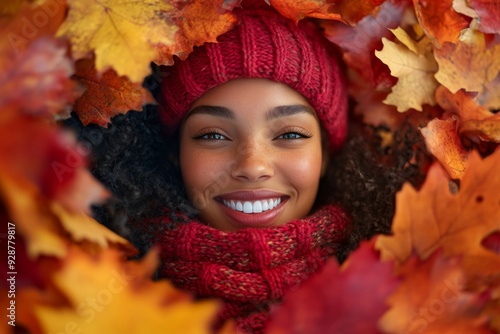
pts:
pixel 414 65
pixel 434 218
pixel 468 65
pixel 107 298
pixel 199 21
pixel 439 21
pixel 474 120
pixel 442 140
pixel 37 80
pixel 349 299
pixel 488 12
pixel 122 34
pixel 359 43
pixel 431 299
pixel 30 23
pixel 106 96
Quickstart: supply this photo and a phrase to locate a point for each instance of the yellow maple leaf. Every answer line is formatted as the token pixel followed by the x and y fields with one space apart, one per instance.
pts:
pixel 108 298
pixel 123 34
pixel 413 64
pixel 469 64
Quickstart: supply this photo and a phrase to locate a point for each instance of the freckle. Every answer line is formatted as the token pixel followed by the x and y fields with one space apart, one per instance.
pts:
pixel 479 199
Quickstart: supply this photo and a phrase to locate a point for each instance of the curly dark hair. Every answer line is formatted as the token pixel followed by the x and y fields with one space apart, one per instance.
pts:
pixel 133 159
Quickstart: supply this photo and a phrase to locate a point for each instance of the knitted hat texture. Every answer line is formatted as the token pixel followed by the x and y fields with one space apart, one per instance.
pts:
pixel 263 45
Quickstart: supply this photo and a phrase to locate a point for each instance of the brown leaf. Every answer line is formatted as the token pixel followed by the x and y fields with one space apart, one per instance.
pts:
pixel 329 302
pixel 432 299
pixel 199 22
pixel 37 80
pixel 435 218
pixel 442 140
pixel 439 21
pixel 469 64
pixel 107 95
pixel 123 35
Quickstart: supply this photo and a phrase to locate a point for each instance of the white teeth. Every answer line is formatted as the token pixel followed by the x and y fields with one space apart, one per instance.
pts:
pixel 253 207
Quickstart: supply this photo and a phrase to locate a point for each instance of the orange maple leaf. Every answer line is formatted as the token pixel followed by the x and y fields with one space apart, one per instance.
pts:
pixel 199 21
pixel 432 299
pixel 443 141
pixel 474 120
pixel 470 64
pixel 439 21
pixel 350 11
pixel 434 218
pixel 106 96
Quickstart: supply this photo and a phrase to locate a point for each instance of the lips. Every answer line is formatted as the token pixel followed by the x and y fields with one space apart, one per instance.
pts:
pixel 258 208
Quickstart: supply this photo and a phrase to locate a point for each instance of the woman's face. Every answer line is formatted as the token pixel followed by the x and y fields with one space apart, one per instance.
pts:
pixel 251 154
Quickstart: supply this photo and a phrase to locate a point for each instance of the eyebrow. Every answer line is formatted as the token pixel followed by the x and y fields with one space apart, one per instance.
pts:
pixel 276 112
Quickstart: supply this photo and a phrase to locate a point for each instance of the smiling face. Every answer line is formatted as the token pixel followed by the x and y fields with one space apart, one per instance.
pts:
pixel 251 154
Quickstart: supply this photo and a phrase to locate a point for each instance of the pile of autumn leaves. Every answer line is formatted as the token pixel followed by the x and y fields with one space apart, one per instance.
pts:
pixel 435 63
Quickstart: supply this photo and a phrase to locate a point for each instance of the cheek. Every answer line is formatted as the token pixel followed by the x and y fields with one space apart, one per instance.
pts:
pixel 303 171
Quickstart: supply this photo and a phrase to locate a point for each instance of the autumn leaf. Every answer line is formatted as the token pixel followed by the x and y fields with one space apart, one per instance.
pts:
pixel 347 11
pixel 199 21
pixel 122 34
pixel 328 303
pixel 442 140
pixel 37 80
pixel 105 297
pixel 488 12
pixel 432 299
pixel 359 43
pixel 439 21
pixel 469 64
pixel 107 95
pixel 474 120
pixel 413 64
pixel 30 22
pixel 434 218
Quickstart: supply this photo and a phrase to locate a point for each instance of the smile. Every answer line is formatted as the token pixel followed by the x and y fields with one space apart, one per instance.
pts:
pixel 252 206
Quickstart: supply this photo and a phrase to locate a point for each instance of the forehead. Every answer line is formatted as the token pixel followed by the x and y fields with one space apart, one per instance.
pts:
pixel 251 93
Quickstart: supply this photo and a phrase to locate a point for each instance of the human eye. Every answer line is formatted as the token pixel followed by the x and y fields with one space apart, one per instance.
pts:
pixel 294 134
pixel 210 136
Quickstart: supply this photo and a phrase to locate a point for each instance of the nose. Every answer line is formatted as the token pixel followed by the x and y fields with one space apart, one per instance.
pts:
pixel 253 163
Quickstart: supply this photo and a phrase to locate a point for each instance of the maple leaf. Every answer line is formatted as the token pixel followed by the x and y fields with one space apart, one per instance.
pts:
pixel 37 80
pixel 431 299
pixel 435 218
pixel 442 140
pixel 488 12
pixel 474 120
pixel 199 21
pixel 359 43
pixel 326 302
pixel 414 65
pixel 469 64
pixel 347 11
pixel 439 21
pixel 107 95
pixel 30 22
pixel 122 34
pixel 106 297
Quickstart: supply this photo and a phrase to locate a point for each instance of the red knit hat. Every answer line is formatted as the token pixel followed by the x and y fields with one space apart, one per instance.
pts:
pixel 263 45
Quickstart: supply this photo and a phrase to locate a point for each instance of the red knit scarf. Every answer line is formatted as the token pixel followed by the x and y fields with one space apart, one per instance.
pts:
pixel 250 269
